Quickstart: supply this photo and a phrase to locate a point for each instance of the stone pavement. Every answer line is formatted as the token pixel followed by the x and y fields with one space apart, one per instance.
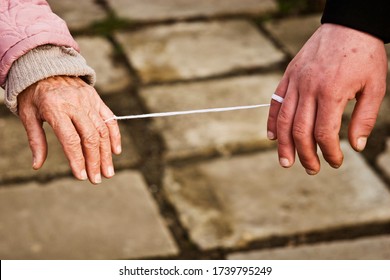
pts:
pixel 192 187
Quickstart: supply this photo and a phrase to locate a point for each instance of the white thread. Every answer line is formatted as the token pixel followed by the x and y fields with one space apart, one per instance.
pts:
pixel 168 114
pixel 277 98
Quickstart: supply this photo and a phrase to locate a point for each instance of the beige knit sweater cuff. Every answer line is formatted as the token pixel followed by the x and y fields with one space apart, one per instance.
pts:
pixel 41 63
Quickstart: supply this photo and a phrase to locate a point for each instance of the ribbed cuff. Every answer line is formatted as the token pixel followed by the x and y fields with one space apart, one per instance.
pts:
pixel 41 63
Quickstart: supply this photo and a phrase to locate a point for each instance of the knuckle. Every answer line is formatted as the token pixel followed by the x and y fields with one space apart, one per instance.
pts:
pixel 93 165
pixel 283 119
pixel 73 140
pixel 92 140
pixel 271 119
pixel 322 136
pixel 300 133
pixel 117 135
pixel 103 131
pixel 368 123
pixel 33 141
pixel 77 160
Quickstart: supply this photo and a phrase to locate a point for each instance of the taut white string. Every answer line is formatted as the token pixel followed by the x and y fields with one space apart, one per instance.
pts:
pixel 177 113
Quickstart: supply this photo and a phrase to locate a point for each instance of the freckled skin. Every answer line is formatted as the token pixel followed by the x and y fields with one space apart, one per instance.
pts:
pixel 317 85
pixel 76 113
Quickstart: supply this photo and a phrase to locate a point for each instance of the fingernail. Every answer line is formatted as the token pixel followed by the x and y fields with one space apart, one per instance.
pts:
pixel 98 179
pixel 361 143
pixel 335 166
pixel 311 172
pixel 118 149
pixel 284 162
pixel 110 171
pixel 270 135
pixel 34 165
pixel 83 175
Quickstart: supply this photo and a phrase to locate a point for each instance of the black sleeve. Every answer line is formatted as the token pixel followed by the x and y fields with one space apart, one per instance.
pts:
pixel 371 16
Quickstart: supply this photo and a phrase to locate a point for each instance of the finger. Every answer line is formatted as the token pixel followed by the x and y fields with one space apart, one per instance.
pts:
pixel 364 116
pixel 113 128
pixel 327 128
pixel 286 147
pixel 90 143
pixel 36 139
pixel 107 167
pixel 71 144
pixel 274 110
pixel 303 133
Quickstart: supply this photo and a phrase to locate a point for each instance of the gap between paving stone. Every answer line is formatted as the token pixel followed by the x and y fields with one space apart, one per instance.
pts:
pixel 111 76
pixel 152 11
pixel 66 219
pixel 150 147
pixel 186 51
pixel 221 208
pixel 78 14
pixel 203 135
pixel 373 248
pixel 16 159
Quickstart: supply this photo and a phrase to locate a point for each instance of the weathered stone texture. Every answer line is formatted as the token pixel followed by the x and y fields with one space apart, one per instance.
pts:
pixel 231 202
pixel 293 33
pixel 16 158
pixel 196 50
pixel 78 14
pixel 152 10
pixel 375 248
pixel 66 219
pixel 204 134
pixel 99 54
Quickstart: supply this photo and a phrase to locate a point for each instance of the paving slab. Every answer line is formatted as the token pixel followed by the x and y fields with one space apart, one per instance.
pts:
pixel 229 203
pixel 78 14
pixel 16 158
pixel 99 54
pixel 65 219
pixel 196 50
pixel 1 96
pixel 388 52
pixel 376 248
pixel 293 32
pixel 151 10
pixel 383 160
pixel 205 134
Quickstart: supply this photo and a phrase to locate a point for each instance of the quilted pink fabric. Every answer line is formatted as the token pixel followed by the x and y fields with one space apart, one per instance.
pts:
pixel 26 24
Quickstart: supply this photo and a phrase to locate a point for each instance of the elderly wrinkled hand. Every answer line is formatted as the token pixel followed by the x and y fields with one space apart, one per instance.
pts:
pixel 76 113
pixel 336 65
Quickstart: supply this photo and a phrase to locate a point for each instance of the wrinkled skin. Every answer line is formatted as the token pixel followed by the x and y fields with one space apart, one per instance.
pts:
pixel 76 113
pixel 336 65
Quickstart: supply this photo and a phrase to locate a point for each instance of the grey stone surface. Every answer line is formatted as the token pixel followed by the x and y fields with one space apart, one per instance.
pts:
pixel 152 10
pixel 204 134
pixel 16 158
pixel 293 33
pixel 376 248
pixel 231 202
pixel 1 96
pixel 196 50
pixel 388 51
pixel 66 219
pixel 78 14
pixel 99 53
pixel 383 161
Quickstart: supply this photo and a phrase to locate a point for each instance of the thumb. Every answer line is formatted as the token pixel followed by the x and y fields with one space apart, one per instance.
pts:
pixel 36 139
pixel 365 114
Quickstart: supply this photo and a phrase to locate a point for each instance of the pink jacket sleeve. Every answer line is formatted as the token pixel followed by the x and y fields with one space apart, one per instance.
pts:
pixel 25 25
